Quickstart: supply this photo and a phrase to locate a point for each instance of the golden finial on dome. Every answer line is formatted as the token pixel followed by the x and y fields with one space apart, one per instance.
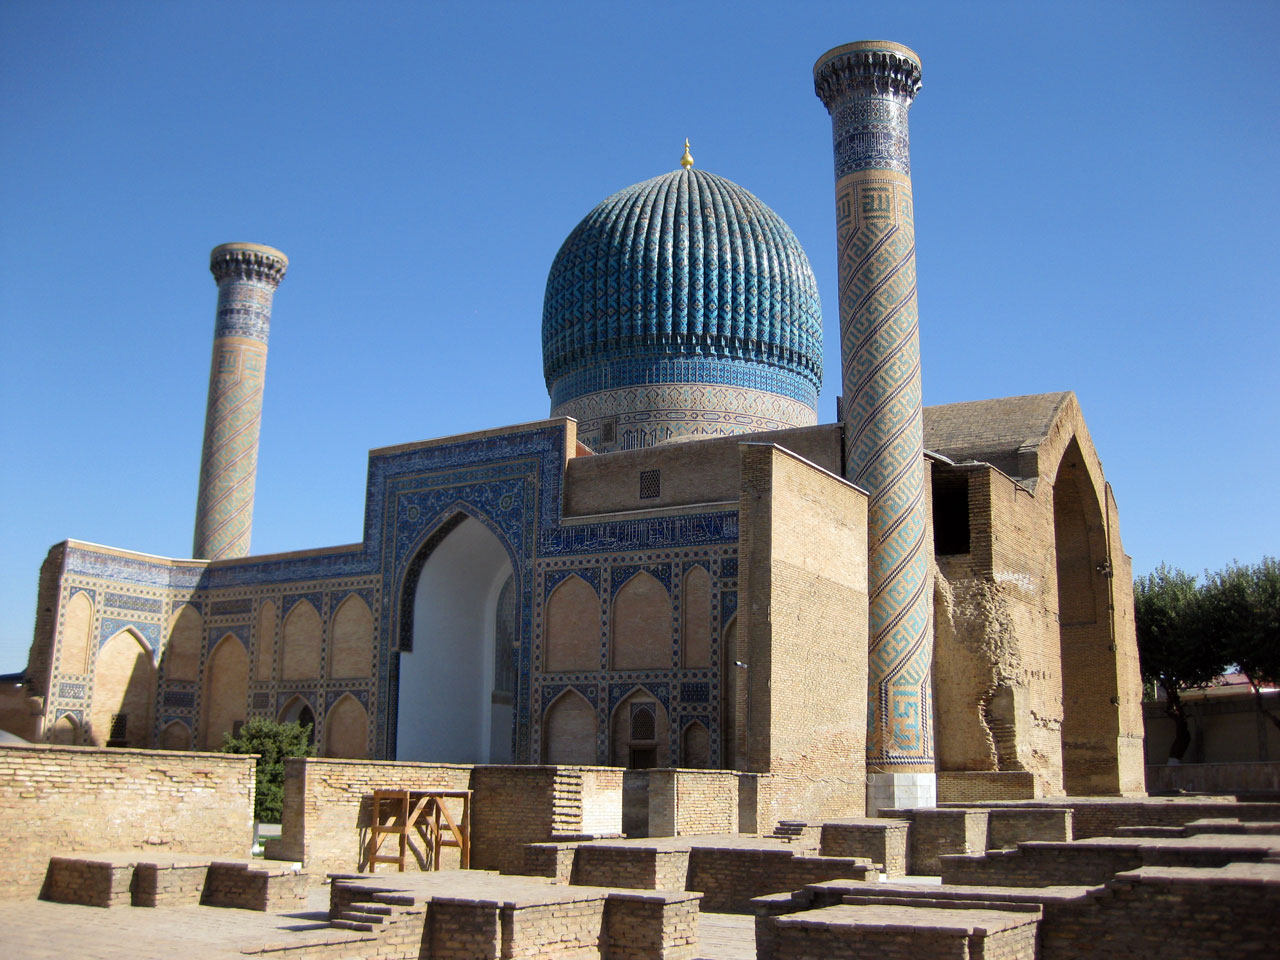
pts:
pixel 687 160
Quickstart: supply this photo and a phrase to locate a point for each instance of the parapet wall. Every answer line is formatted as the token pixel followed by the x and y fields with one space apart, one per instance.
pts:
pixel 90 799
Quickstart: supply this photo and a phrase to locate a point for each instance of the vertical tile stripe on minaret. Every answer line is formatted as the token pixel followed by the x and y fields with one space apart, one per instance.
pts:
pixel 247 276
pixel 868 89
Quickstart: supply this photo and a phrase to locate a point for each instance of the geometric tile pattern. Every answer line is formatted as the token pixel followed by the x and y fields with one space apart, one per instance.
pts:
pixel 868 92
pixel 685 279
pixel 247 276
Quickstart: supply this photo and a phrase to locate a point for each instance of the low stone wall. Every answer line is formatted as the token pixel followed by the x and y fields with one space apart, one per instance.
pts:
pixel 637 868
pixel 328 809
pixel 937 831
pixel 1007 827
pixel 1103 816
pixel 69 800
pixel 730 878
pixel 1233 778
pixel 882 841
pixel 689 802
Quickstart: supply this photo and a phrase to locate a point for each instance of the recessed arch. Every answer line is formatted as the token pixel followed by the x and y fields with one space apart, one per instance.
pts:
pixel 346 729
pixel 351 640
pixel 695 745
pixel 124 689
pixel 448 709
pixel 1090 691
pixel 181 658
pixel 641 625
pixel 301 646
pixel 226 692
pixel 695 618
pixel 733 704
pixel 176 735
pixel 571 631
pixel 298 710
pixel 640 732
pixel 77 635
pixel 65 731
pixel 569 730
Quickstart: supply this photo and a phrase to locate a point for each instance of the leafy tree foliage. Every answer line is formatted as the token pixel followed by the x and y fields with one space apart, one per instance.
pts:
pixel 1241 614
pixel 274 743
pixel 1173 647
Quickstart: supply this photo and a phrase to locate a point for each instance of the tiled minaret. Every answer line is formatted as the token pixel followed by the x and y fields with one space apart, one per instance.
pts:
pixel 247 276
pixel 868 88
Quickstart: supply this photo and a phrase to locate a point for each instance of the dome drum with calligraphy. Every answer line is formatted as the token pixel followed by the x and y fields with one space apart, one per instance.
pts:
pixel 681 307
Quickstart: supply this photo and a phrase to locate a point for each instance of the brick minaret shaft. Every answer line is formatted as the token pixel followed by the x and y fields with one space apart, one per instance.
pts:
pixel 868 88
pixel 247 275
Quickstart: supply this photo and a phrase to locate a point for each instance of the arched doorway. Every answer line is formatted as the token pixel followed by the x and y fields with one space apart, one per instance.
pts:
pixel 450 706
pixel 299 711
pixel 1090 723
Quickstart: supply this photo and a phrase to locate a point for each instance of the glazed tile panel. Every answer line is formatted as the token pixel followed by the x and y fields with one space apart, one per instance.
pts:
pixel 868 89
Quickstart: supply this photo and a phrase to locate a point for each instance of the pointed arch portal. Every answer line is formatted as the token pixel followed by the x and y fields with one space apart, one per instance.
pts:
pixel 449 710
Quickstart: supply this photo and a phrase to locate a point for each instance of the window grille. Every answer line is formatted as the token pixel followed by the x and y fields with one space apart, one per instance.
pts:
pixel 650 484
pixel 608 431
pixel 119 726
pixel 643 723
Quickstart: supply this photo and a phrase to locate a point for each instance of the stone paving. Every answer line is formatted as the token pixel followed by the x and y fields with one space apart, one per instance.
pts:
pixel 39 930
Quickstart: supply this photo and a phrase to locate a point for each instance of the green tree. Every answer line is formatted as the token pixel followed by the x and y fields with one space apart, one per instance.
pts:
pixel 1241 614
pixel 1173 648
pixel 274 743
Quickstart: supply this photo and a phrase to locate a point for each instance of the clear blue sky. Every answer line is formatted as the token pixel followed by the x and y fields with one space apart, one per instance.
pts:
pixel 1096 195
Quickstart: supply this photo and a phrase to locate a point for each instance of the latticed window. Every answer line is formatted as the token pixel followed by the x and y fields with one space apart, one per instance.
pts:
pixel 650 484
pixel 643 724
pixel 119 726
pixel 608 431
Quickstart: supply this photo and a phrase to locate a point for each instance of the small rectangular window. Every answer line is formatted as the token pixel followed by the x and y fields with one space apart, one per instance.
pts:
pixel 119 726
pixel 608 431
pixel 650 484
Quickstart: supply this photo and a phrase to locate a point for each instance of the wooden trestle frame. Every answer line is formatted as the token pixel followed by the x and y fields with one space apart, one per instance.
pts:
pixel 398 812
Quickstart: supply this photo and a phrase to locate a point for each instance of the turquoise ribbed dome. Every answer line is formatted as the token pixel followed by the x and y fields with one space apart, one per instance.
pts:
pixel 685 278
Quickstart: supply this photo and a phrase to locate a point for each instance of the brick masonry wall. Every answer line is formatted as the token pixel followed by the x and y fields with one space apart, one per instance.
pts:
pixel 803 581
pixel 941 831
pixel 956 786
pixel 1009 827
pixel 328 807
pixel 882 841
pixel 87 799
pixel 1252 777
pixel 729 878
pixel 1155 913
pixel 684 802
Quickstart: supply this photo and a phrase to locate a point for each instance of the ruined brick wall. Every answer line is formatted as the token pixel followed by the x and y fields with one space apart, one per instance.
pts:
pixel 86 799
pixel 804 617
pixel 683 802
pixel 328 808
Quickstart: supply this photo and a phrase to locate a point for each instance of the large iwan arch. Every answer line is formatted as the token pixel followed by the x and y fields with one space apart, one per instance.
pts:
pixel 447 709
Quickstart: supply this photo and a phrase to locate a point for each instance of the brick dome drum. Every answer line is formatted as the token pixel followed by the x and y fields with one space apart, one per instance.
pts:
pixel 681 307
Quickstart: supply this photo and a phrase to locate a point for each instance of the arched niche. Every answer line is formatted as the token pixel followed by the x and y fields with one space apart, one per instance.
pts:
pixel 65 731
pixel 77 635
pixel 351 640
pixel 124 689
pixel 181 658
pixel 346 729
pixel 640 736
pixel 695 746
pixel 176 735
pixel 641 625
pixel 733 701
pixel 447 709
pixel 301 644
pixel 1090 718
pixel 571 630
pixel 569 730
pixel 695 608
pixel 226 692
pixel 298 710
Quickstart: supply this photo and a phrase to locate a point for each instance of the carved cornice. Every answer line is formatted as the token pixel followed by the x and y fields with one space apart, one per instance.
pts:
pixel 870 69
pixel 248 261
